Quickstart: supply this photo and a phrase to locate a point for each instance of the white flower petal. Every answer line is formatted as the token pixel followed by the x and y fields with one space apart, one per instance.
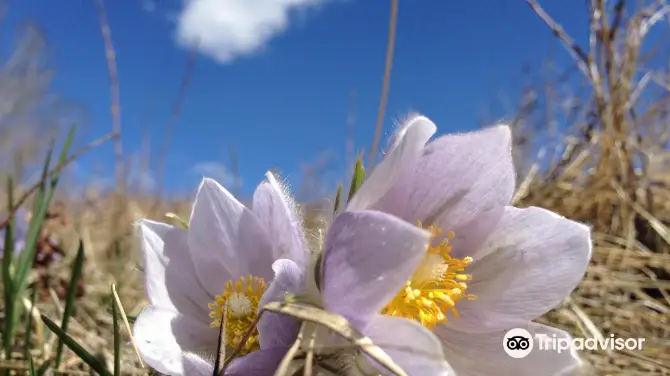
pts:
pixel 226 236
pixel 531 262
pixel 411 346
pixel 196 366
pixel 163 336
pixel 276 330
pixel 277 216
pixel 456 178
pixel 409 144
pixel 169 275
pixel 482 354
pixel 368 258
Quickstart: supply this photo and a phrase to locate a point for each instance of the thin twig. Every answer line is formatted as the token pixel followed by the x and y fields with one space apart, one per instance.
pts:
pixel 285 363
pixel 56 170
pixel 387 81
pixel 115 105
pixel 126 323
pixel 573 48
pixel 174 118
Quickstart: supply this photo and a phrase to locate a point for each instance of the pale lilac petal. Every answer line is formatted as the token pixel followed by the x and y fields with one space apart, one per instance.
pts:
pixel 162 336
pixel 226 236
pixel 276 330
pixel 263 362
pixel 169 275
pixel 533 260
pixel 482 354
pixel 196 366
pixel 368 257
pixel 470 236
pixel 457 177
pixel 409 143
pixel 411 346
pixel 276 214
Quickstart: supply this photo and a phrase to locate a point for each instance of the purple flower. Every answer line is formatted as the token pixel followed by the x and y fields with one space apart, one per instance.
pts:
pixel 491 267
pixel 368 257
pixel 20 232
pixel 223 261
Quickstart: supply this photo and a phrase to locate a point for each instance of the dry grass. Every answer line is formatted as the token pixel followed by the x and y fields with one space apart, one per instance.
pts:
pixel 612 174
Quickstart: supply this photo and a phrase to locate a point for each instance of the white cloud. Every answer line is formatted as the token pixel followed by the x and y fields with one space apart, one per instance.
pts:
pixel 228 29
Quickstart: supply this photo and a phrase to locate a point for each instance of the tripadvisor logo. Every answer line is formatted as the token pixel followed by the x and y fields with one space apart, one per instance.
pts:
pixel 518 343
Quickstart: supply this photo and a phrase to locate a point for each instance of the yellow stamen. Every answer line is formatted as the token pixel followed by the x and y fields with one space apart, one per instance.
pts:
pixel 436 286
pixel 241 301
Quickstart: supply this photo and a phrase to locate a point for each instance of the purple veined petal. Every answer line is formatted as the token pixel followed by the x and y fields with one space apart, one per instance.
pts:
pixel 408 146
pixel 534 259
pixel 162 336
pixel 368 257
pixel 276 214
pixel 263 362
pixel 482 354
pixel 457 177
pixel 225 236
pixel 469 237
pixel 411 346
pixel 276 330
pixel 170 279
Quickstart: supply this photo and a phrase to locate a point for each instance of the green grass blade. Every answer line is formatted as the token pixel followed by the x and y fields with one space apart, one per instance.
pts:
pixel 7 280
pixel 42 202
pixel 63 154
pixel 71 294
pixel 27 257
pixel 84 355
pixel 117 340
pixel 338 197
pixel 29 324
pixel 32 367
pixel 43 368
pixel 357 178
pixel 131 318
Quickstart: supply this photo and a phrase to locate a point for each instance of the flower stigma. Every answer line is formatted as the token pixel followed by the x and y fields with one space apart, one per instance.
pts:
pixel 240 302
pixel 435 287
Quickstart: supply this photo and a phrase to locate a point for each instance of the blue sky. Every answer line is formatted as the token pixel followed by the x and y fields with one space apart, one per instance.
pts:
pixel 284 101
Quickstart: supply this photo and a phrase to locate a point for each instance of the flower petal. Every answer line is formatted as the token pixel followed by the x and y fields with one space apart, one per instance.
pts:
pixel 263 362
pixel 409 143
pixel 276 330
pixel 533 260
pixel 169 275
pixel 457 177
pixel 196 366
pixel 368 258
pixel 470 236
pixel 411 346
pixel 276 214
pixel 482 354
pixel 226 236
pixel 162 336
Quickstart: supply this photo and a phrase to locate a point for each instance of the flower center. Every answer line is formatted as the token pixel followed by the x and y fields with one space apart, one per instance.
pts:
pixel 436 286
pixel 239 301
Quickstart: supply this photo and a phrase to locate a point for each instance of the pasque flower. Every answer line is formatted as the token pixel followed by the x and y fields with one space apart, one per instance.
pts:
pixel 479 267
pixel 367 257
pixel 491 267
pixel 217 269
